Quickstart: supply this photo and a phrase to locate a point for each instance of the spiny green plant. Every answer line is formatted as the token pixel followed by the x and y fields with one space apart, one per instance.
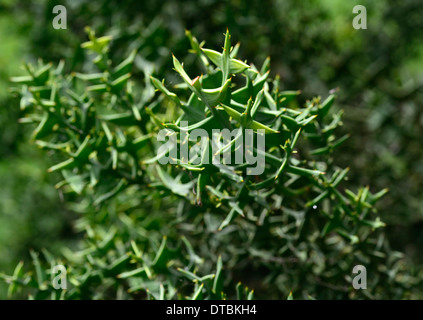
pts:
pixel 194 229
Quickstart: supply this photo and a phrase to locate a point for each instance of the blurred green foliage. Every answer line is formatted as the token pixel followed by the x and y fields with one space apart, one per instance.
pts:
pixel 161 224
pixel 312 46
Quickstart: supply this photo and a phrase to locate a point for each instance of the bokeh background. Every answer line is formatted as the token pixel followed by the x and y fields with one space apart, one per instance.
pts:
pixel 313 47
